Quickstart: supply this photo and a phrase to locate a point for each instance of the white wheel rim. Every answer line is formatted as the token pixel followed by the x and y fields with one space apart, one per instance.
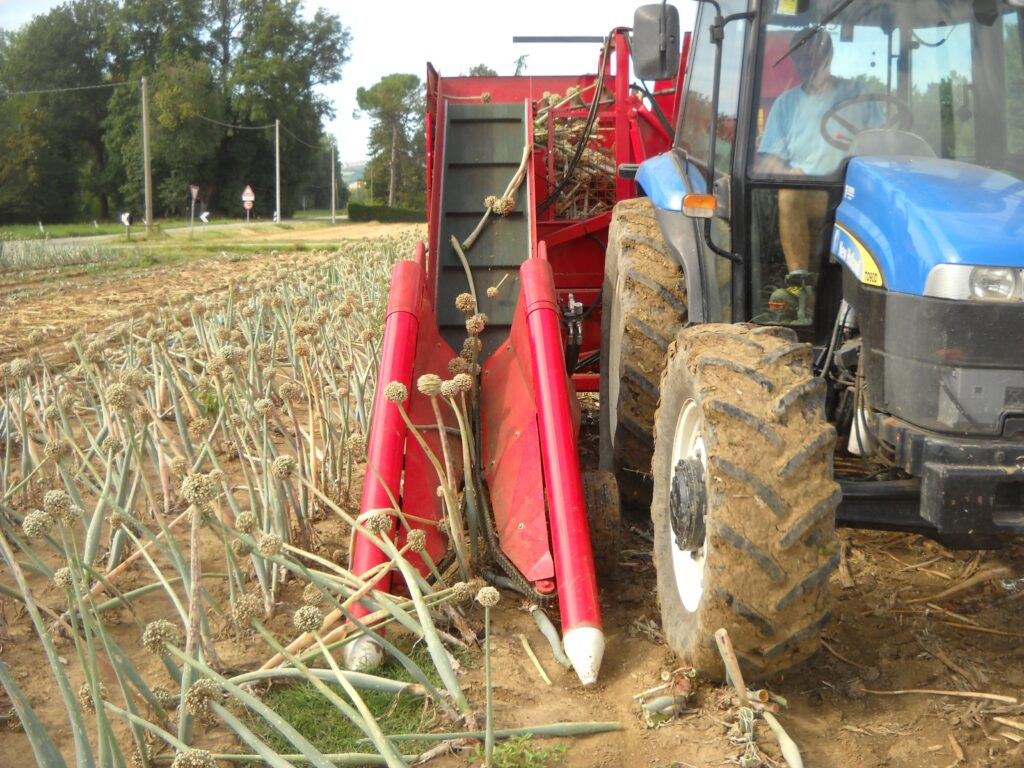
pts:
pixel 688 566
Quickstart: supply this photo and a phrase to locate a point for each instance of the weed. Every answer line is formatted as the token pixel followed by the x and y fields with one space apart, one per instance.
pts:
pixel 329 731
pixel 522 752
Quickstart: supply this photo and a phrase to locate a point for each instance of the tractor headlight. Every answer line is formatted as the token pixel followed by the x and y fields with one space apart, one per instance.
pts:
pixel 966 282
pixel 995 284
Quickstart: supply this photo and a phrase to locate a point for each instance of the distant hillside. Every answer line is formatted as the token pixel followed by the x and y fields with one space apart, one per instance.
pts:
pixel 353 171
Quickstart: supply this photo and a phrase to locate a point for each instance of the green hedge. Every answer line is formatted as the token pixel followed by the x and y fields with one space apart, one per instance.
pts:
pixel 359 212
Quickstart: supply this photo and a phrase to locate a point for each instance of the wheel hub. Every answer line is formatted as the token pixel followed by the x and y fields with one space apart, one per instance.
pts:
pixel 687 504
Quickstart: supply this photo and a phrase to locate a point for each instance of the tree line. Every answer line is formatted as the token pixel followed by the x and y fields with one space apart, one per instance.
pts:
pixel 217 72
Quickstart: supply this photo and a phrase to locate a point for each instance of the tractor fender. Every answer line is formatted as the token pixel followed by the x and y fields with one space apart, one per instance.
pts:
pixel 664 180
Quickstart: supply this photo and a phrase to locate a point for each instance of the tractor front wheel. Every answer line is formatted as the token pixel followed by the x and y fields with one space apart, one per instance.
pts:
pixel 744 499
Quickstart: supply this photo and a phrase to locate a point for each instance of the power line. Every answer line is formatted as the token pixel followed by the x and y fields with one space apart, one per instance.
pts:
pixel 236 127
pixel 298 139
pixel 66 90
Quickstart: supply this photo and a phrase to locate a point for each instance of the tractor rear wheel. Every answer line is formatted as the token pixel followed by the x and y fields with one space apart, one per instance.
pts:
pixel 744 499
pixel 643 304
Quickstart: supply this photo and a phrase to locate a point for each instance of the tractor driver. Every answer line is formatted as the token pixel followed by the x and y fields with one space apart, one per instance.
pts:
pixel 793 145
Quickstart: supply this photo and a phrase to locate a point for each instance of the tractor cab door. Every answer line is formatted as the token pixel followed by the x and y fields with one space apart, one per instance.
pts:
pixel 695 145
pixel 821 83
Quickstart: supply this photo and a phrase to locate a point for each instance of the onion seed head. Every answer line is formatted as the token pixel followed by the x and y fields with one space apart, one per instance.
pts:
pixel 247 522
pixel 199 696
pixel 417 540
pixel 312 595
pixel 270 544
pixel 159 632
pixel 488 596
pixel 308 618
pixel 429 384
pixel 284 467
pixel 396 392
pixel 37 524
pixel 194 758
pixel 247 608
pixel 378 523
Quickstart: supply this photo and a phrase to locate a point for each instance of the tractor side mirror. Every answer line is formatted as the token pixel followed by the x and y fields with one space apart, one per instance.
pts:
pixel 656 41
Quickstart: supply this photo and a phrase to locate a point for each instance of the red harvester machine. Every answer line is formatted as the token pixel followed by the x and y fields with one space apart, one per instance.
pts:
pixel 522 497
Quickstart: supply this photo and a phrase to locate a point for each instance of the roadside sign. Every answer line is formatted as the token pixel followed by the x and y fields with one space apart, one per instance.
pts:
pixel 247 205
pixel 248 195
pixel 194 189
pixel 205 217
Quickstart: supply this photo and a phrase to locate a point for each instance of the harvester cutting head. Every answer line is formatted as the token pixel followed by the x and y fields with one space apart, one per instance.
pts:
pixel 522 176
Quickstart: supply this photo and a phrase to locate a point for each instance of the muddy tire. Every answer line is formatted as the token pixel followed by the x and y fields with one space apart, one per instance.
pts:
pixel 601 492
pixel 643 302
pixel 741 437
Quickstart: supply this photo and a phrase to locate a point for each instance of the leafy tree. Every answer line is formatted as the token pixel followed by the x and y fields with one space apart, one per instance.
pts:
pixel 395 105
pixel 54 161
pixel 482 70
pixel 217 72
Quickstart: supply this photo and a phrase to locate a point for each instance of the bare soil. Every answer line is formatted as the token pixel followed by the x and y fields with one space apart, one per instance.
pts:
pixel 906 616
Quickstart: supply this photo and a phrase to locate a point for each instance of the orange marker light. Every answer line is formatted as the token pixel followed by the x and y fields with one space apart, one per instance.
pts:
pixel 700 206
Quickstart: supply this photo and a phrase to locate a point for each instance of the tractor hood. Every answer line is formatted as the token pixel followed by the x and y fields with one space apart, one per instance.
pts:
pixel 911 214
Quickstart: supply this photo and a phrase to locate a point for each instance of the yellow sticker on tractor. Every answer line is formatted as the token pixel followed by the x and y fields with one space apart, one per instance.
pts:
pixel 849 250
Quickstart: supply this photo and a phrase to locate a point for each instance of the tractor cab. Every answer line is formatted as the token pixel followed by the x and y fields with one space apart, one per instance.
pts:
pixel 800 88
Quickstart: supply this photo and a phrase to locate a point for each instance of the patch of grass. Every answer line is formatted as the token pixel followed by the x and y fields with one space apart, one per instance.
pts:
pixel 77 229
pixel 330 731
pixel 316 213
pixel 522 752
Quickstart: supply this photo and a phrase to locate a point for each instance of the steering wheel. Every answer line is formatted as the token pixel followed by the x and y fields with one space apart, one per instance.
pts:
pixel 903 119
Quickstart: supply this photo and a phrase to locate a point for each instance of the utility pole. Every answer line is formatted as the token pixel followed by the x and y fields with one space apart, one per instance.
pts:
pixel 147 171
pixel 277 165
pixel 332 185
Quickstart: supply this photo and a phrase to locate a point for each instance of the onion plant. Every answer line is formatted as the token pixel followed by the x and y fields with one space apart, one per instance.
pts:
pixel 185 462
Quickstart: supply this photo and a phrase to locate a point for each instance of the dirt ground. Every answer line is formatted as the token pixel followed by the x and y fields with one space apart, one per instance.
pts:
pixel 909 615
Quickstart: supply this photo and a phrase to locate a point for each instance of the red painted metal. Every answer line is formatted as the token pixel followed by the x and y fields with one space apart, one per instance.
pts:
pixel 420 481
pixel 386 448
pixel 624 188
pixel 586 382
pixel 528 410
pixel 511 453
pixel 567 513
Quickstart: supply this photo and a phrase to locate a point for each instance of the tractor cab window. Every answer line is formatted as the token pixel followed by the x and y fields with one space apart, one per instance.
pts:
pixel 837 79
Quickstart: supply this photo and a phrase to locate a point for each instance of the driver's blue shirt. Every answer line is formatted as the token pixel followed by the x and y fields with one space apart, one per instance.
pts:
pixel 793 132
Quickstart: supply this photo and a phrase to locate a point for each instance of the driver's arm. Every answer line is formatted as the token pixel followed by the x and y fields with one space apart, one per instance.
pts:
pixel 769 163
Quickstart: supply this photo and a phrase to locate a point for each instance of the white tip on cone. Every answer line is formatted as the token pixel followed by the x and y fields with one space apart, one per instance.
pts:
pixel 585 648
pixel 362 654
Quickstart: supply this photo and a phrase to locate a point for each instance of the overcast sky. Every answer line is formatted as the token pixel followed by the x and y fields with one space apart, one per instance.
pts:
pixel 403 35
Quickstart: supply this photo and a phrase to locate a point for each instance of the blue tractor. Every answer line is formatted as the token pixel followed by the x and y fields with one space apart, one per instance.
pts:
pixel 815 314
